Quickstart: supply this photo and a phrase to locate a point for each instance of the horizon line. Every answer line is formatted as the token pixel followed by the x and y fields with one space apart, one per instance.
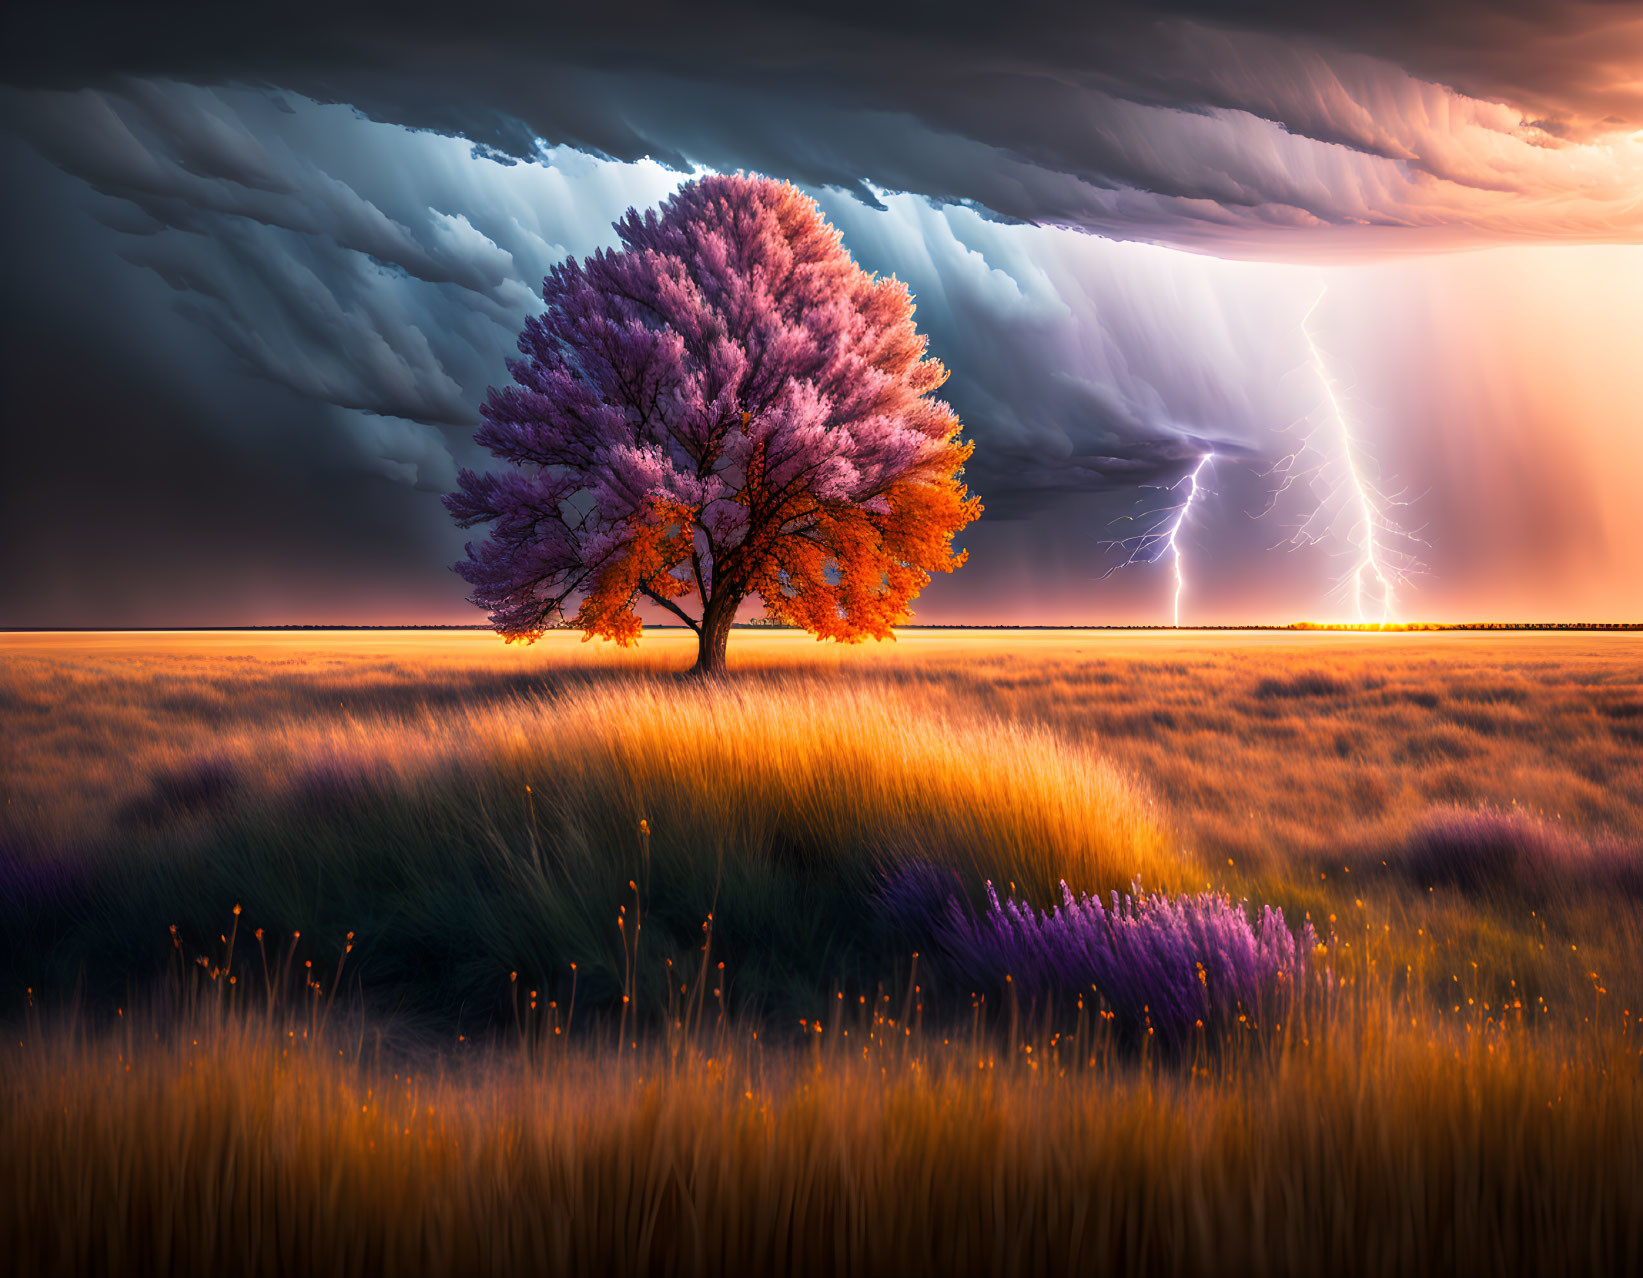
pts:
pixel 1370 626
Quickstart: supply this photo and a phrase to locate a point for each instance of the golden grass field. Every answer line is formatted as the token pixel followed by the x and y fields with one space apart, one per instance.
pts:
pixel 1470 1101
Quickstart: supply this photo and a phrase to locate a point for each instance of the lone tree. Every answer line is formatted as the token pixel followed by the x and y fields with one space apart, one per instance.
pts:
pixel 725 406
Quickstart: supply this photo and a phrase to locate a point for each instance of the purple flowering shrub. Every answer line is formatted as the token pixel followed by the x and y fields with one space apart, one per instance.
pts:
pixel 1484 849
pixel 1168 962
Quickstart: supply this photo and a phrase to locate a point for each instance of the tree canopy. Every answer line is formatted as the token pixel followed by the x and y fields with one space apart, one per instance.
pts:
pixel 726 405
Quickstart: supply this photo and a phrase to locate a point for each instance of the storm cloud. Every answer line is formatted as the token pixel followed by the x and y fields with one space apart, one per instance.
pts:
pixel 384 272
pixel 1261 129
pixel 262 269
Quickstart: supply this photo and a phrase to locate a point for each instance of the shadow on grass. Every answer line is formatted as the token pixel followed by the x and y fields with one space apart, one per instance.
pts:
pixel 497 841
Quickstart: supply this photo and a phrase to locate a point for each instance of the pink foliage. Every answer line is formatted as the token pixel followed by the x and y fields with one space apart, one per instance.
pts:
pixel 729 374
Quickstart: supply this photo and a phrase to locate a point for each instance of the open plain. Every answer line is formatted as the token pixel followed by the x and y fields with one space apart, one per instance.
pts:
pixel 463 955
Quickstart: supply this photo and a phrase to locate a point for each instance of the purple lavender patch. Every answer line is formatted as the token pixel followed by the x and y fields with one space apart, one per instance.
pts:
pixel 1156 960
pixel 1478 849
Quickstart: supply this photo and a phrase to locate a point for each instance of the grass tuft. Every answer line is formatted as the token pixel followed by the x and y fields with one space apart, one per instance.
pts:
pixel 1487 849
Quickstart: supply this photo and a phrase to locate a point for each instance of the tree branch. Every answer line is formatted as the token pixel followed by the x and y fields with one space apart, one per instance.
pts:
pixel 671 607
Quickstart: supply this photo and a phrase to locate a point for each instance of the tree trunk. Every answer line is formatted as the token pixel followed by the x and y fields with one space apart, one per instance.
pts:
pixel 714 636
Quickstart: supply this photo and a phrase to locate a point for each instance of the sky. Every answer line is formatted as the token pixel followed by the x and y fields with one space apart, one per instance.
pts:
pixel 1383 262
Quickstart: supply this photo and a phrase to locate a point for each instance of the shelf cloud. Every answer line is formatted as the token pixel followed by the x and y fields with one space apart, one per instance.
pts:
pixel 1259 129
pixel 296 247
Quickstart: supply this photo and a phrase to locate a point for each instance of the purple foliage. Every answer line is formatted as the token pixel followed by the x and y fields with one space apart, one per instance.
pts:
pixel 1169 962
pixel 918 896
pixel 1476 849
pixel 1480 848
pixel 728 370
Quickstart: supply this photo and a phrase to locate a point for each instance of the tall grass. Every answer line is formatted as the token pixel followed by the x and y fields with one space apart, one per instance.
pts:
pixel 756 1077
pixel 1487 849
pixel 376 783
pixel 225 1147
pixel 1263 746
pixel 467 842
pixel 766 769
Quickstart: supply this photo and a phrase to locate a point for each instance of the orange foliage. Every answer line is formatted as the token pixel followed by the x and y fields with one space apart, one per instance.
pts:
pixel 659 541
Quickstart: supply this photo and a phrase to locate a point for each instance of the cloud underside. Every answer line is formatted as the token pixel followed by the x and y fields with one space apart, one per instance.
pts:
pixel 1249 129
pixel 382 274
pixel 315 253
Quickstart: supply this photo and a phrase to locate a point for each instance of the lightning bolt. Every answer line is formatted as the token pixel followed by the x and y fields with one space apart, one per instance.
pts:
pixel 1164 537
pixel 1175 529
pixel 1345 489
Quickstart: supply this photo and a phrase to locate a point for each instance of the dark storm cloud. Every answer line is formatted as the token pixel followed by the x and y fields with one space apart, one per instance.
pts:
pixel 147 482
pixel 183 155
pixel 347 270
pixel 289 303
pixel 213 363
pixel 1224 125
pixel 1078 365
pixel 330 303
pixel 316 248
